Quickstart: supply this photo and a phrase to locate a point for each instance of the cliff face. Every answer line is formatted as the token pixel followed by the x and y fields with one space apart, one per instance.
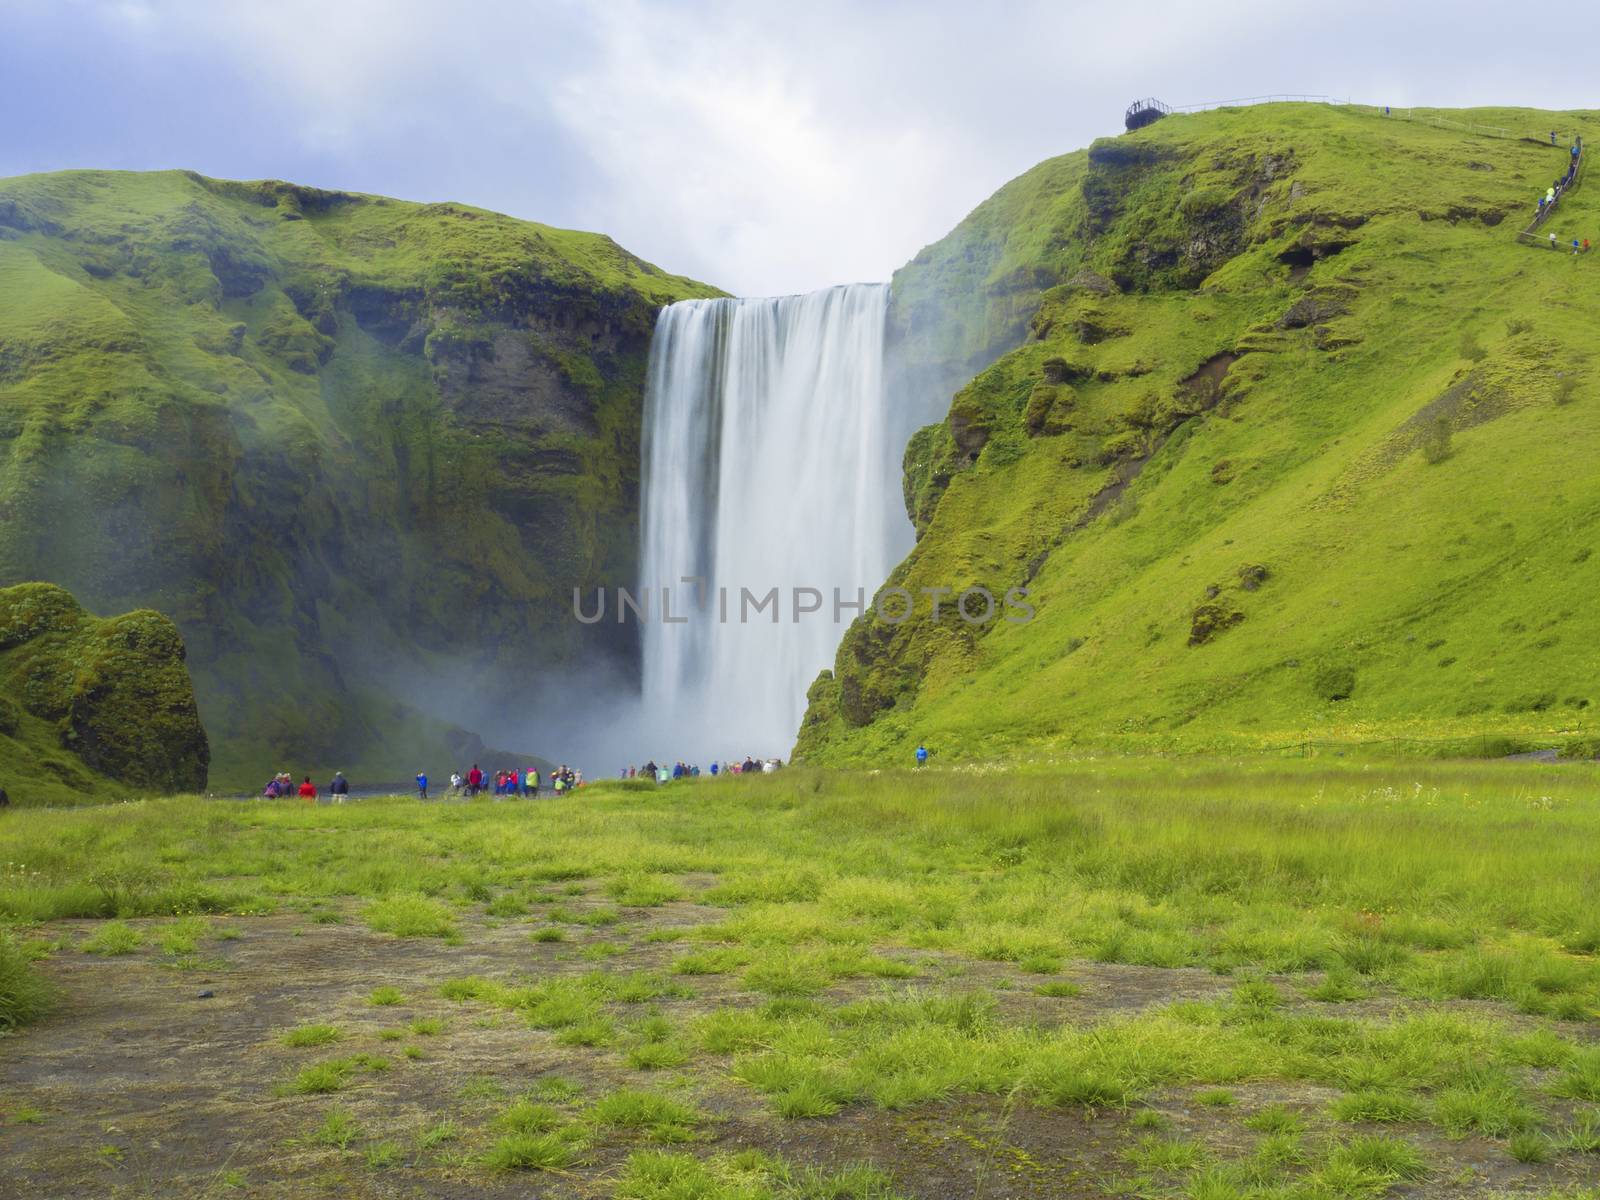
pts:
pixel 91 708
pixel 355 447
pixel 1292 444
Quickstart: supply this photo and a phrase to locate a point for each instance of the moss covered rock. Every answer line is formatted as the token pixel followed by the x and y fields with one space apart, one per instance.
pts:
pixel 91 699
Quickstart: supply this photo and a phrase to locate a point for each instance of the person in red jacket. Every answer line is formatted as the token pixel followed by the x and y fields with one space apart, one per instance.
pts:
pixel 308 791
pixel 474 780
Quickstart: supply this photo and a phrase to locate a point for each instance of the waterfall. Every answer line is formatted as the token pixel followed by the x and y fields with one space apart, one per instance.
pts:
pixel 770 461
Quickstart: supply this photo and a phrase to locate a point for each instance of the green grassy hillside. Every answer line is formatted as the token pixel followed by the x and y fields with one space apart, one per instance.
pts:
pixel 93 709
pixel 1296 444
pixel 353 446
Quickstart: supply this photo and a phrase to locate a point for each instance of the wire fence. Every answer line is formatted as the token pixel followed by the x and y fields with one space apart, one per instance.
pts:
pixel 1421 117
pixel 1416 115
pixel 1277 98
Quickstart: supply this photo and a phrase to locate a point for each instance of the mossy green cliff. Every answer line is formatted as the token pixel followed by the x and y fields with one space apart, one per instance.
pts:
pixel 92 708
pixel 356 448
pixel 1294 442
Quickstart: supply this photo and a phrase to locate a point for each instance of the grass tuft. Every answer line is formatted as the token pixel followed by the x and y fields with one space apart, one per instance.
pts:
pixel 1377 1106
pixel 1059 989
pixel 25 996
pixel 663 1117
pixel 1384 1157
pixel 527 1116
pixel 112 938
pixel 1581 1078
pixel 338 1129
pixel 1275 1119
pixel 1530 1147
pixel 531 1152
pixel 312 1035
pixel 320 1079
pixel 410 915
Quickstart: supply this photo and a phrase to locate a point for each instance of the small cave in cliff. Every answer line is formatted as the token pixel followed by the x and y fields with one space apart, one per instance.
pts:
pixel 1300 258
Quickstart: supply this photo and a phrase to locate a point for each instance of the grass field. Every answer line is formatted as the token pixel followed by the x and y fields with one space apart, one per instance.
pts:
pixel 1123 977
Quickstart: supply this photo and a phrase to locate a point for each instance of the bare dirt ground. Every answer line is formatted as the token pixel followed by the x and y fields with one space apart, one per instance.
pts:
pixel 139 1087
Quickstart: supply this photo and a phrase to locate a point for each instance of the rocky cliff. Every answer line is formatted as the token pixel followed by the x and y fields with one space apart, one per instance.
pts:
pixel 1291 445
pixel 360 450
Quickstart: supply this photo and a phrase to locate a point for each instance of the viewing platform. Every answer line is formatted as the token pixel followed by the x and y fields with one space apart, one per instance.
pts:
pixel 1145 112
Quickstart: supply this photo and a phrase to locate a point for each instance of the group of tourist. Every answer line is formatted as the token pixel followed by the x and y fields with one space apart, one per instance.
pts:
pixel 282 787
pixel 514 781
pixel 1557 189
pixel 526 781
pixel 682 770
pixel 509 782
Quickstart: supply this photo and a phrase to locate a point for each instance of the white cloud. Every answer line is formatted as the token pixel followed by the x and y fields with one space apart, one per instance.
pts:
pixel 764 147
pixel 739 163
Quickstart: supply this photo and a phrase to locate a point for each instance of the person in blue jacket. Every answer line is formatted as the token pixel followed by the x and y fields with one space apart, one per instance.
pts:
pixel 422 785
pixel 922 755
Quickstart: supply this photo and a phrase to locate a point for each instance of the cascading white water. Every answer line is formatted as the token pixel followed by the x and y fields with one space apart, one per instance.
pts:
pixel 770 461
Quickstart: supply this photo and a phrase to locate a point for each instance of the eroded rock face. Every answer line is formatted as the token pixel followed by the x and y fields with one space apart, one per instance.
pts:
pixel 969 429
pixel 1210 619
pixel 1317 305
pixel 116 691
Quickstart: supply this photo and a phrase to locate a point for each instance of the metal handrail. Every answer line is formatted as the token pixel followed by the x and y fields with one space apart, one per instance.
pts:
pixel 1148 104
pixel 1544 213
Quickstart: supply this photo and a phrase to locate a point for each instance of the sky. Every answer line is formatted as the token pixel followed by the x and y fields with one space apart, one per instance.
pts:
pixel 767 148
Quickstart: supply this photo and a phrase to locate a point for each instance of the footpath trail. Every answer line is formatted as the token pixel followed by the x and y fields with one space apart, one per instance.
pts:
pixel 1558 191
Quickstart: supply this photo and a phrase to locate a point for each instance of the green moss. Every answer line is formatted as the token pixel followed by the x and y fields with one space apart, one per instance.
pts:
pixel 93 701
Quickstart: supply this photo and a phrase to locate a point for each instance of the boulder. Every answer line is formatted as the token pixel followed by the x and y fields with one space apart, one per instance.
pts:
pixel 116 691
pixel 1210 619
